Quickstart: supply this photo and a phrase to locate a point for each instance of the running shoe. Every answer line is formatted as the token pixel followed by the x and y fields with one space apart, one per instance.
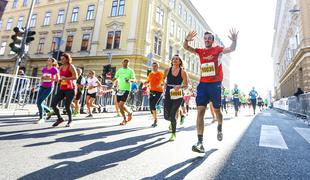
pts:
pixel 198 148
pixel 58 122
pixel 74 113
pixel 182 120
pixel 219 135
pixel 68 125
pixel 123 122
pixel 90 115
pixel 154 124
pixel 49 115
pixel 39 121
pixel 129 118
pixel 172 137
pixel 117 115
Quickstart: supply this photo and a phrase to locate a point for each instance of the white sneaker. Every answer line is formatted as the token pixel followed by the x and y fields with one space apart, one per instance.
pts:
pixel 39 121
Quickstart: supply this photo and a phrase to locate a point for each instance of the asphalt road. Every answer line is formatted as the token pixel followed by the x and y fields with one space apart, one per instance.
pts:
pixel 99 148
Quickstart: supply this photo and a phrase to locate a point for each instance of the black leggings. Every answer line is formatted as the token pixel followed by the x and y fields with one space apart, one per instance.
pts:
pixel 61 94
pixel 171 107
pixel 154 99
pixel 253 102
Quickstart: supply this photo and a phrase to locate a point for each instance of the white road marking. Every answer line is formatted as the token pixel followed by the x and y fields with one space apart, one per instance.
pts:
pixel 304 132
pixel 270 136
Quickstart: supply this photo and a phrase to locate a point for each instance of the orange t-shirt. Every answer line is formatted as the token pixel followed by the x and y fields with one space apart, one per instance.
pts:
pixel 155 80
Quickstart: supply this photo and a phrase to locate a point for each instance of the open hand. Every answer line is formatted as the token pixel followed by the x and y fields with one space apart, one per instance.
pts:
pixel 233 34
pixel 190 36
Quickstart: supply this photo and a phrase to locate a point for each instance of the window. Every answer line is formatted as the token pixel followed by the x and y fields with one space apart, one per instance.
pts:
pixel 121 8
pixel 69 43
pixel 60 17
pixel 179 32
pixel 9 24
pixel 172 3
pixel 20 21
pixel 85 42
pixel 14 5
pixel 41 46
pixel 117 39
pixel 172 27
pixel 170 52
pixel 1 24
pixel 47 19
pixel 25 3
pixel 113 40
pixel 189 20
pixel 55 43
pixel 185 16
pixel 75 13
pixel 118 8
pixel 180 10
pixel 114 8
pixel 157 44
pixel 37 2
pixel 33 20
pixel 90 12
pixel 159 16
pixel 2 48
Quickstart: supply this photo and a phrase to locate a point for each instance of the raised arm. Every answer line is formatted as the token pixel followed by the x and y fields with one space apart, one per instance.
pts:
pixel 190 37
pixel 233 37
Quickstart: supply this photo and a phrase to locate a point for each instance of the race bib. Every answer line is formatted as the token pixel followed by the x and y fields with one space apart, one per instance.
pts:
pixel 63 83
pixel 207 69
pixel 176 94
pixel 120 93
pixel 49 75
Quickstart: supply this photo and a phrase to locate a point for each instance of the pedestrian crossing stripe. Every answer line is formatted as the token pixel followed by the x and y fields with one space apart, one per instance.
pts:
pixel 270 136
pixel 304 132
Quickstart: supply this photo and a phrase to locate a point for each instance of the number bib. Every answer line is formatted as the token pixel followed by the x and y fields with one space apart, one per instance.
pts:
pixel 176 94
pixel 49 75
pixel 120 93
pixel 207 69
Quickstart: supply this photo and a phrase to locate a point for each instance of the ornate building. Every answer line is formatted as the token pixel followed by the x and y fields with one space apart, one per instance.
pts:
pixel 99 32
pixel 291 47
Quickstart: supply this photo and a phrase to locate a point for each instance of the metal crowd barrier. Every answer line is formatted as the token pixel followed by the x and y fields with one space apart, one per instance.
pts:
pixel 300 106
pixel 24 93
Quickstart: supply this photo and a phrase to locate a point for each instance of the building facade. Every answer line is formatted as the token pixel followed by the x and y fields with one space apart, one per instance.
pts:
pixel 291 47
pixel 99 32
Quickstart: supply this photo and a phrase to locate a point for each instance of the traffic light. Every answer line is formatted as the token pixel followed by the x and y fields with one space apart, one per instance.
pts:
pixel 16 45
pixel 57 54
pixel 29 36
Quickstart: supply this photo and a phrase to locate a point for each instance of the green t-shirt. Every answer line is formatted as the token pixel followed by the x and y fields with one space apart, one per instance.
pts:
pixel 123 74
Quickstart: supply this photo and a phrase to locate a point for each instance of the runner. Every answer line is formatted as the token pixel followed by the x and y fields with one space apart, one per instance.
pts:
pixel 124 76
pixel 49 75
pixel 80 83
pixel 209 88
pixel 243 100
pixel 114 92
pixel 260 103
pixel 253 94
pixel 92 89
pixel 155 80
pixel 68 75
pixel 236 99
pixel 173 93
pixel 187 97
pixel 266 103
pixel 224 99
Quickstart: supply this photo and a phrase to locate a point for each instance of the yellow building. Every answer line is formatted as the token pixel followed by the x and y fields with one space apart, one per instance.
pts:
pixel 96 31
pixel 291 47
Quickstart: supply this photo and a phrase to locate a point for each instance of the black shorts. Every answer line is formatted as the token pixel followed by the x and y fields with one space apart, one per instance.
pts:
pixel 78 95
pixel 92 95
pixel 122 97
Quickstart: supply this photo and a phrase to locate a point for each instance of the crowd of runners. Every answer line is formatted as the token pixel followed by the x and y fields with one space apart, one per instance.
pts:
pixel 172 87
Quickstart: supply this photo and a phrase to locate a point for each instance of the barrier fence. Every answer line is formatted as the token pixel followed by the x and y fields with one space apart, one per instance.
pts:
pixel 298 105
pixel 25 95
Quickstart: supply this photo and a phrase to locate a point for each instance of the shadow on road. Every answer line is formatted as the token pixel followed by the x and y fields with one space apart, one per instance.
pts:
pixel 103 146
pixel 73 170
pixel 191 164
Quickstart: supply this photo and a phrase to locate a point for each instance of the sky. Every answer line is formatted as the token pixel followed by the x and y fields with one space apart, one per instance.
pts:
pixel 251 63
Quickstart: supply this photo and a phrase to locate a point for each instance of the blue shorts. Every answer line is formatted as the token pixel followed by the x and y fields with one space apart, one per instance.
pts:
pixel 209 92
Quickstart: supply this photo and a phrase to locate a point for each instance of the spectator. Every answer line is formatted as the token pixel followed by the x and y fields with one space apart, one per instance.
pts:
pixel 299 92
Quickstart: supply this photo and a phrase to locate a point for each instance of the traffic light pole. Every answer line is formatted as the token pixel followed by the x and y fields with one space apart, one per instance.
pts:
pixel 20 56
pixel 63 28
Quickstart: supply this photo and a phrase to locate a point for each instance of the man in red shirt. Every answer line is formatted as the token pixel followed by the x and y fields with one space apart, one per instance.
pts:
pixel 209 88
